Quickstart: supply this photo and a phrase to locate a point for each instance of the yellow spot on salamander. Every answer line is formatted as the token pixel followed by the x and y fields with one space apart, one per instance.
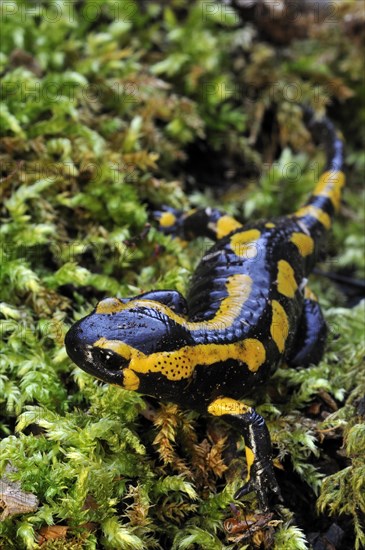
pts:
pixel 304 243
pixel 227 405
pixel 130 380
pixel 225 225
pixel 269 225
pixel 250 458
pixel 287 284
pixel 330 185
pixel 109 305
pixel 167 219
pixel 316 213
pixel 279 328
pixel 243 243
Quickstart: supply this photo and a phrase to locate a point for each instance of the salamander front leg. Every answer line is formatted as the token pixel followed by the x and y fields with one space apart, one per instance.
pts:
pixel 171 298
pixel 260 471
pixel 203 222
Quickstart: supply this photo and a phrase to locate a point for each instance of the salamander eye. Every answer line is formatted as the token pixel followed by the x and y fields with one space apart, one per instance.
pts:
pixel 109 359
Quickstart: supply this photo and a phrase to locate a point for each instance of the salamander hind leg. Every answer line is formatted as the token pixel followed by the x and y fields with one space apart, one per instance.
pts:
pixel 260 471
pixel 311 336
pixel 203 222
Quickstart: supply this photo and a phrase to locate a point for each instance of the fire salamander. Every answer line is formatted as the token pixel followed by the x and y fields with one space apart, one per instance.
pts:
pixel 248 309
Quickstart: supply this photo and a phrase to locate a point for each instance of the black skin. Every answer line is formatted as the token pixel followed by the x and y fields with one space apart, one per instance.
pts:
pixel 161 325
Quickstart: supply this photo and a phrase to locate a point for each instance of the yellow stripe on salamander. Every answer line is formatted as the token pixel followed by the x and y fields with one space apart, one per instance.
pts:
pixel 180 364
pixel 316 213
pixel 238 289
pixel 330 185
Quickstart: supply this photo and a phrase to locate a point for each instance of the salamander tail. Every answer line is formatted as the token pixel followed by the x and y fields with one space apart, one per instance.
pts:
pixel 317 213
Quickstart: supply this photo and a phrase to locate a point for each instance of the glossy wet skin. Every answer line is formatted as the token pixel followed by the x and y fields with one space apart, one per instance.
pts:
pixel 139 327
pixel 243 306
pixel 247 309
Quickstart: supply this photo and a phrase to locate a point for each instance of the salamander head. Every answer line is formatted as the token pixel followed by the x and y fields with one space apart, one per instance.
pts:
pixel 105 342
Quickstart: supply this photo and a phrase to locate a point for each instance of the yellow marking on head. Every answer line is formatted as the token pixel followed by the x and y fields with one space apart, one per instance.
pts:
pixel 167 219
pixel 130 380
pixel 330 185
pixel 279 328
pixel 109 305
pixel 180 364
pixel 287 284
pixel 316 213
pixel 227 405
pixel 304 243
pixel 250 459
pixel 310 295
pixel 122 349
pixel 269 225
pixel 242 243
pixel 225 225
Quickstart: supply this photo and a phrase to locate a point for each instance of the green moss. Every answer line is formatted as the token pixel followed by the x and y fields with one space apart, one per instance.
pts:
pixel 100 103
